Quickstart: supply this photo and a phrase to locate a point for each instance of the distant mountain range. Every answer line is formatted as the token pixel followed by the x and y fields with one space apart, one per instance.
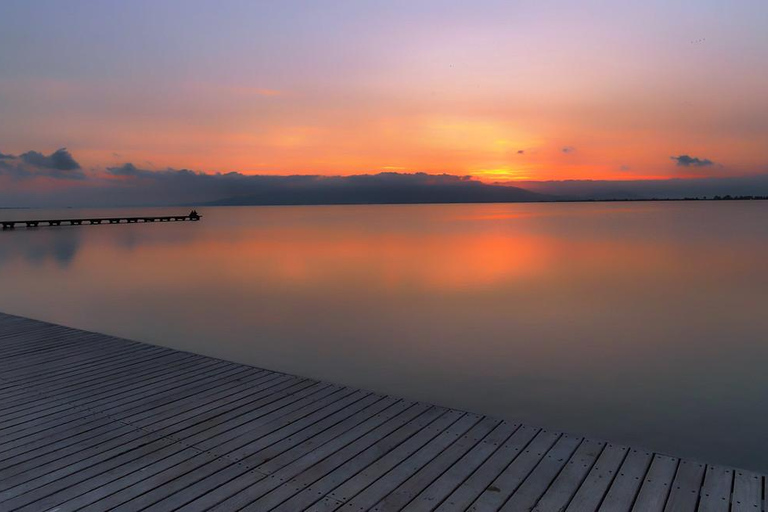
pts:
pixel 389 188
pixel 676 188
pixel 398 188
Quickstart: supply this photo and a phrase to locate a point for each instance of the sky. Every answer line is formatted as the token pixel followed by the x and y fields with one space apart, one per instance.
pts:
pixel 502 91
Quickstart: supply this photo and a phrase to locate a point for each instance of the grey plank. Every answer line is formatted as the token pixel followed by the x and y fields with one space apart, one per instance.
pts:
pixel 657 484
pixel 747 492
pixel 176 392
pixel 186 422
pixel 90 400
pixel 259 411
pixel 47 374
pixel 456 475
pixel 76 386
pixel 593 489
pixel 34 476
pixel 81 378
pixel 308 432
pixel 564 487
pixel 58 356
pixel 131 476
pixel 237 487
pixel 96 476
pixel 716 492
pixel 47 409
pixel 380 487
pixel 507 482
pixel 284 468
pixel 263 419
pixel 321 478
pixel 623 491
pixel 146 493
pixel 482 479
pixel 377 461
pixel 418 481
pixel 534 487
pixel 57 443
pixel 237 395
pixel 684 495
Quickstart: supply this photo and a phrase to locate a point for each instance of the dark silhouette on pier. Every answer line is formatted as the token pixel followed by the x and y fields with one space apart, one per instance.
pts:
pixel 11 224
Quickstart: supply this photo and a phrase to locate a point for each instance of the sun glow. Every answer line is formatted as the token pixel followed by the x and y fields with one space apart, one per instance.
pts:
pixel 500 175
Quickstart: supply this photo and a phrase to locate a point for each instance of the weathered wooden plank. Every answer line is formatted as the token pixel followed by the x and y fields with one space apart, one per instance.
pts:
pixel 421 479
pixel 285 467
pixel 94 476
pixel 407 466
pixel 29 347
pixel 64 406
pixel 266 419
pixel 305 434
pixel 507 482
pixel 57 444
pixel 70 381
pixel 564 487
pixel 716 492
pixel 258 412
pixel 120 478
pixel 480 480
pixel 534 487
pixel 657 484
pixel 457 474
pixel 48 409
pixel 242 488
pixel 685 489
pixel 747 492
pixel 116 375
pixel 146 493
pixel 55 355
pixel 324 476
pixel 92 400
pixel 177 391
pixel 29 475
pixel 392 458
pixel 655 488
pixel 185 423
pixel 96 361
pixel 593 489
pixel 621 495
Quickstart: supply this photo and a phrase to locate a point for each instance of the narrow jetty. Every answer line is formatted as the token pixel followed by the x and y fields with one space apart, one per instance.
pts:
pixel 93 422
pixel 11 224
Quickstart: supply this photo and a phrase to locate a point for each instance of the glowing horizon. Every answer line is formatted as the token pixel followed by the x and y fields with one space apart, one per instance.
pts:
pixel 500 91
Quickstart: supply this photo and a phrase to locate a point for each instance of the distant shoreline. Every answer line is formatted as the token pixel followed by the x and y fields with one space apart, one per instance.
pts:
pixel 543 201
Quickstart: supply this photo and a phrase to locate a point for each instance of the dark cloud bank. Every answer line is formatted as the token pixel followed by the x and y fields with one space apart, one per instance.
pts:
pixel 128 185
pixel 60 165
pixel 692 161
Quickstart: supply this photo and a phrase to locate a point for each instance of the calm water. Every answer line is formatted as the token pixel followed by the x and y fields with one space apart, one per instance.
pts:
pixel 643 323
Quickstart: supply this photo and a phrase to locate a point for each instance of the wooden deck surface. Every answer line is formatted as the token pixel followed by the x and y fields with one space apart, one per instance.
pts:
pixel 92 422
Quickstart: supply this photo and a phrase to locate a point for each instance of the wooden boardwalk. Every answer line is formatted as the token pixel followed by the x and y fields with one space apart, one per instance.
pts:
pixel 93 422
pixel 11 224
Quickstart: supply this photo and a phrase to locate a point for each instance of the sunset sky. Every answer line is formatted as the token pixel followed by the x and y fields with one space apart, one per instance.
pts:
pixel 501 90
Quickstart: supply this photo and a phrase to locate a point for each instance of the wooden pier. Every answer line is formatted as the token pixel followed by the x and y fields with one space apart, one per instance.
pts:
pixel 11 224
pixel 92 422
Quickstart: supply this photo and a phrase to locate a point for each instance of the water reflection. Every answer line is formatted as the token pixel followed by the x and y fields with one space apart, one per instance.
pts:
pixel 36 249
pixel 642 323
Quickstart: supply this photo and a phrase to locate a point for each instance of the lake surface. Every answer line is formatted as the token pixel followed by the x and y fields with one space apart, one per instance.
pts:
pixel 642 323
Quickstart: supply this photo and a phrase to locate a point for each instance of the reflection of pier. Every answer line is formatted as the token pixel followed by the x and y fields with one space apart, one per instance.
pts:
pixel 89 421
pixel 12 224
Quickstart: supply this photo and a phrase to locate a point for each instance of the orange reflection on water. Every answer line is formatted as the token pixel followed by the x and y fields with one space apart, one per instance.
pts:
pixel 385 262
